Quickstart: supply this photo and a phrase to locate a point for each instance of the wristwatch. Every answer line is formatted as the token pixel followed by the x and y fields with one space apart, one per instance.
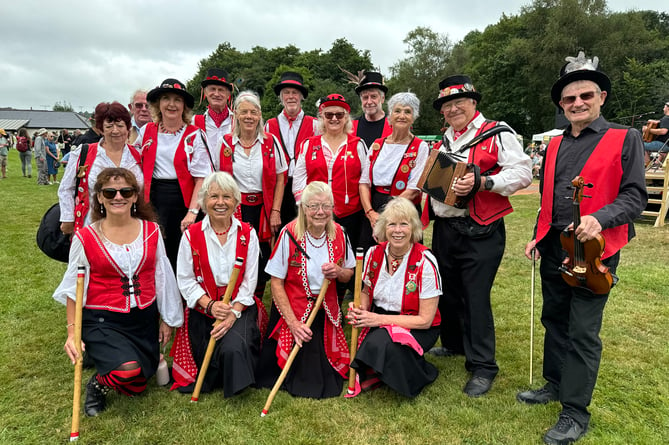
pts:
pixel 238 314
pixel 488 183
pixel 194 211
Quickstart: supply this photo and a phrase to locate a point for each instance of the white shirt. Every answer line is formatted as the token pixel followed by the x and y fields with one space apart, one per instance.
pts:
pixel 247 170
pixel 215 135
pixel 300 173
pixel 102 161
pixel 516 172
pixel 221 259
pixel 389 289
pixel 388 161
pixel 289 135
pixel 277 265
pixel 128 258
pixel 199 166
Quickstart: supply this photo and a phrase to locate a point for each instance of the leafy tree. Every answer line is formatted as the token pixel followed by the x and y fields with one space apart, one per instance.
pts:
pixel 62 106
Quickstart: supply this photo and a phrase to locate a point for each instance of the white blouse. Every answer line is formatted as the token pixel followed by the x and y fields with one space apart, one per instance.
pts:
pixel 247 170
pixel 128 258
pixel 388 161
pixel 215 135
pixel 277 266
pixel 389 289
pixel 221 259
pixel 102 161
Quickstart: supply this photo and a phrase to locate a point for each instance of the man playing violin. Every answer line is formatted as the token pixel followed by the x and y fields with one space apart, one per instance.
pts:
pixel 572 316
pixel 660 134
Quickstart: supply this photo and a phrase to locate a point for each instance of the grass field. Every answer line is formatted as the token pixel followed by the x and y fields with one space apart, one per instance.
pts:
pixel 630 405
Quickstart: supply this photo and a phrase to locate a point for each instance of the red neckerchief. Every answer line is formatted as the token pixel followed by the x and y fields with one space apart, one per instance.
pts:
pixel 218 117
pixel 290 119
pixel 457 134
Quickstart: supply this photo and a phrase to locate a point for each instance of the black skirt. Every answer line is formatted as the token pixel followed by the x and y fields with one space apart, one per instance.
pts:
pixel 235 355
pixel 311 374
pixel 397 365
pixel 114 338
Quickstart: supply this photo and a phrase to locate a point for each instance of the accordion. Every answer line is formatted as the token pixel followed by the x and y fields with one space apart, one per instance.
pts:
pixel 441 171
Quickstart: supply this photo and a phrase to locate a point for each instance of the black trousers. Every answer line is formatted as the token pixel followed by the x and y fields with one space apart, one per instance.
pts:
pixel 251 215
pixel 288 206
pixel 468 267
pixel 168 202
pixel 572 317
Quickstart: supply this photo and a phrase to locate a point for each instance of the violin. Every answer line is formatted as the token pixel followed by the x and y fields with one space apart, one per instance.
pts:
pixel 583 266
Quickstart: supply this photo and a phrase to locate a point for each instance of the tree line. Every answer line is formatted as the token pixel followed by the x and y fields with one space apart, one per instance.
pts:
pixel 513 63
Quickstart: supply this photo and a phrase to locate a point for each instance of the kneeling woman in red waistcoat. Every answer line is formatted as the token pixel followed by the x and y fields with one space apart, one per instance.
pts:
pixel 131 299
pixel 310 249
pixel 206 258
pixel 398 305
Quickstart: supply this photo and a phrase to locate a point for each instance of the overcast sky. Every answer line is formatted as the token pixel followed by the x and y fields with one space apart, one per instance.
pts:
pixel 85 52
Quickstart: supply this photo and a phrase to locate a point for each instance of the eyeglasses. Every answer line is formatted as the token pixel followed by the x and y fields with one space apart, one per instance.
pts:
pixel 568 100
pixel 110 193
pixel 140 106
pixel 329 115
pixel 313 208
pixel 455 104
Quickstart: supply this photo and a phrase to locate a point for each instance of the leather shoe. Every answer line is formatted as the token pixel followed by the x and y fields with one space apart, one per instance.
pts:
pixel 540 396
pixel 440 351
pixel 565 431
pixel 477 386
pixel 96 397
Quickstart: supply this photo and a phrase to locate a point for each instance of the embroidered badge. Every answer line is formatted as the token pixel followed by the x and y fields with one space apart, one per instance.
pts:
pixel 400 185
pixel 340 262
pixel 227 152
pixel 411 286
pixel 376 146
pixel 294 263
pixel 404 169
pixel 242 240
pixel 412 163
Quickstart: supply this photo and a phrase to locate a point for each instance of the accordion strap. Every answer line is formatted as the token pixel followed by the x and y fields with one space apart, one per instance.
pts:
pixel 497 129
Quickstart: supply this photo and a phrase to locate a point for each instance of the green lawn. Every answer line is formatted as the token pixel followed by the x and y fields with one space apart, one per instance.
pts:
pixel 631 400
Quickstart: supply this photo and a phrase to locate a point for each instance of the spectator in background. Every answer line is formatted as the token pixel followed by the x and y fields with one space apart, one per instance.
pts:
pixel 25 153
pixel 4 148
pixel 52 158
pixel 66 139
pixel 139 108
pixel 91 136
pixel 40 157
pixel 661 134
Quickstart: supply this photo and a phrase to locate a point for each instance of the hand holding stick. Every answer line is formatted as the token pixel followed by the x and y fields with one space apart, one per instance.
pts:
pixel 212 341
pixel 78 365
pixel 296 349
pixel 359 255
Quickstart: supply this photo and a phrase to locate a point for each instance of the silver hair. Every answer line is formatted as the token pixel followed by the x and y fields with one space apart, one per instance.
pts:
pixel 132 98
pixel 406 99
pixel 252 98
pixel 281 96
pixel 223 181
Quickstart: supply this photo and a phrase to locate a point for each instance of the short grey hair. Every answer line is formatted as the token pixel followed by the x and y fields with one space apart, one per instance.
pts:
pixel 397 209
pixel 132 98
pixel 223 181
pixel 281 96
pixel 380 91
pixel 406 99
pixel 252 98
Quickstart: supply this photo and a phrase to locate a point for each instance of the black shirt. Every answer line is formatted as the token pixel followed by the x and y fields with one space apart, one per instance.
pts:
pixel 370 131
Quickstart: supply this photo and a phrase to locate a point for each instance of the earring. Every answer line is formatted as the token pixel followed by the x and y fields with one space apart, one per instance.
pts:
pixel 102 210
pixel 133 210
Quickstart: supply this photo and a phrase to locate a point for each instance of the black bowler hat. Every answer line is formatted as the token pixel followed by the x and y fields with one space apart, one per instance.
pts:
pixel 217 76
pixel 371 79
pixel 454 87
pixel 293 80
pixel 579 68
pixel 171 86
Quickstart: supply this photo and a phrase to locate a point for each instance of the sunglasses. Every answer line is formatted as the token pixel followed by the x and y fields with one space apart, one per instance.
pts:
pixel 110 193
pixel 139 106
pixel 329 115
pixel 568 100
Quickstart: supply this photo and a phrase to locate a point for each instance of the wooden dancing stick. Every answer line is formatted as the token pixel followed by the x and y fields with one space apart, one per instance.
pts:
pixel 359 255
pixel 296 349
pixel 79 363
pixel 534 266
pixel 212 341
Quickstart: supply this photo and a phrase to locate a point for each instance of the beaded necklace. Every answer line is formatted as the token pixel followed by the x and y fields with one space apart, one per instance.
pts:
pixel 324 238
pixel 222 233
pixel 162 129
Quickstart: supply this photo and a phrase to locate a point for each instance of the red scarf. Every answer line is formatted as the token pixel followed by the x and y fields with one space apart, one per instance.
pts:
pixel 217 117
pixel 290 119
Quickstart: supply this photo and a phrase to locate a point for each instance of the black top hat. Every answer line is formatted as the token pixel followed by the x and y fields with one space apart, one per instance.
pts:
pixel 171 86
pixel 579 68
pixel 293 80
pixel 454 87
pixel 216 76
pixel 333 100
pixel 371 79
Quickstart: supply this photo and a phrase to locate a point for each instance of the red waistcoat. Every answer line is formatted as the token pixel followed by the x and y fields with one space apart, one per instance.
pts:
pixel 295 282
pixel 305 131
pixel 487 207
pixel 604 170
pixel 82 201
pixel 412 278
pixel 268 178
pixel 387 129
pixel 108 286
pixel 181 160
pixel 407 164
pixel 345 173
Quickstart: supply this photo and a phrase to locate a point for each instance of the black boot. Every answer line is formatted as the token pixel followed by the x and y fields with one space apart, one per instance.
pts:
pixel 96 397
